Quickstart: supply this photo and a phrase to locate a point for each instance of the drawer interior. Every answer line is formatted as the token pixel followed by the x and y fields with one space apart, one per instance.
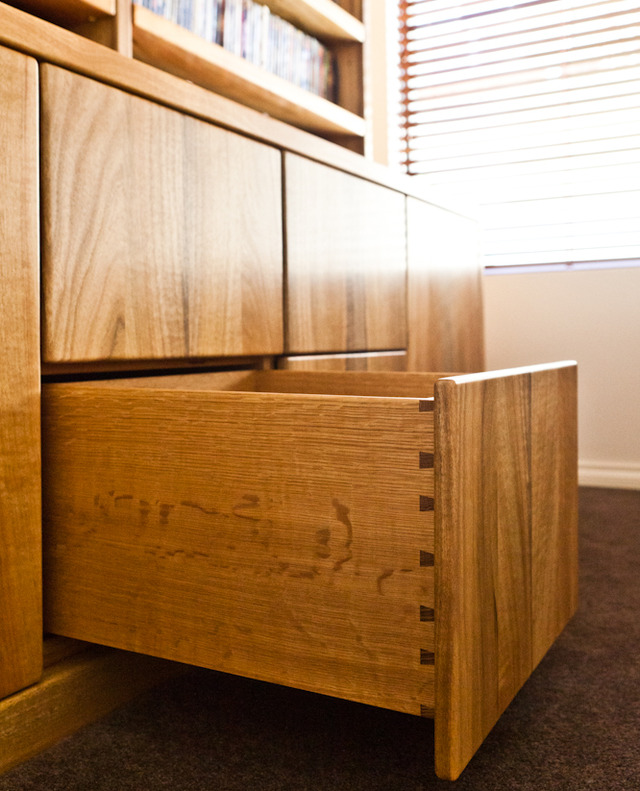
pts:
pixel 338 383
pixel 273 524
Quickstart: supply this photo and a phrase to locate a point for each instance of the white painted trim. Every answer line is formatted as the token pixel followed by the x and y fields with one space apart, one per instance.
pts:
pixel 614 475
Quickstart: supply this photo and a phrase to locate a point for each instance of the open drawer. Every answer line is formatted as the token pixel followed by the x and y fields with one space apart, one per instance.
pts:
pixel 403 540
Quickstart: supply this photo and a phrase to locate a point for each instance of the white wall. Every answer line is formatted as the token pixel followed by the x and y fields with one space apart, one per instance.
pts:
pixel 590 316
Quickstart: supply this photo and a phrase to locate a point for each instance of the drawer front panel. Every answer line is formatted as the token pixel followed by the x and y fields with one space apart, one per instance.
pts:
pixel 346 261
pixel 444 291
pixel 162 234
pixel 277 536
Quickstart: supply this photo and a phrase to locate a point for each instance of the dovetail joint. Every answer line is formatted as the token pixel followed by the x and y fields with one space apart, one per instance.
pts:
pixel 426 460
pixel 426 657
pixel 427 614
pixel 426 503
pixel 426 558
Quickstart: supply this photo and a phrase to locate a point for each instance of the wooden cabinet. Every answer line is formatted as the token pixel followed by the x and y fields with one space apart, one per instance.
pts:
pixel 162 233
pixel 443 290
pixel 345 261
pixel 178 229
pixel 20 575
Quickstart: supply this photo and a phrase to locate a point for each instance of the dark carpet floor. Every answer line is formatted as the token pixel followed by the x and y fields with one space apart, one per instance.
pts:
pixel 575 724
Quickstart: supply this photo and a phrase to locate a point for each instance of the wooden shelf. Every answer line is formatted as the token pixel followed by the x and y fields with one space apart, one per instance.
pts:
pixel 70 13
pixel 131 29
pixel 323 19
pixel 162 43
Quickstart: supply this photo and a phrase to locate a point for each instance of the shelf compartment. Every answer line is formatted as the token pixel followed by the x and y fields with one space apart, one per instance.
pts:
pixel 162 43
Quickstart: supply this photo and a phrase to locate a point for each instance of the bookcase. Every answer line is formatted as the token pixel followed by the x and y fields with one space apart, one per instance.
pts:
pixel 136 31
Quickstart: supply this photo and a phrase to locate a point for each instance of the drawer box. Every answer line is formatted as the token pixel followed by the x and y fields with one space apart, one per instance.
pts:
pixel 402 540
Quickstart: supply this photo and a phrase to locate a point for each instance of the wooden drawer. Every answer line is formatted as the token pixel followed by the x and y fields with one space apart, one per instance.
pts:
pixel 162 233
pixel 287 526
pixel 346 261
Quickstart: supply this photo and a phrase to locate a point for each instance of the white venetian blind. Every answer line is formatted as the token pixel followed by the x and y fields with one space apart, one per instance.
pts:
pixel 529 110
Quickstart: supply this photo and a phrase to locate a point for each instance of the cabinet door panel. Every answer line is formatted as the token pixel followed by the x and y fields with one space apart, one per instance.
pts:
pixel 20 550
pixel 346 261
pixel 163 234
pixel 444 291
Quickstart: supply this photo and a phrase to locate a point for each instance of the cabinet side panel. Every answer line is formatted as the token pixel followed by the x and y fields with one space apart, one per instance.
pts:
pixel 20 585
pixel 444 291
pixel 278 537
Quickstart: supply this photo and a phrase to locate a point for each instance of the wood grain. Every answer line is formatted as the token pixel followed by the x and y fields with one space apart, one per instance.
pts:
pixel 345 280
pixel 162 43
pixel 277 536
pixel 353 7
pixel 72 694
pixel 446 330
pixel 348 383
pixel 554 488
pixel 162 234
pixel 55 45
pixel 505 532
pixel 123 33
pixel 20 575
pixel 113 31
pixel 375 361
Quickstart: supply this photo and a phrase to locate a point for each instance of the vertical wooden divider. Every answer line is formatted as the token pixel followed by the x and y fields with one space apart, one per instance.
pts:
pixel 20 574
pixel 123 28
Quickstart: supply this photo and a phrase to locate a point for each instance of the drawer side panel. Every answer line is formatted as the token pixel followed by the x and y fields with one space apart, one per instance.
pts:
pixel 282 537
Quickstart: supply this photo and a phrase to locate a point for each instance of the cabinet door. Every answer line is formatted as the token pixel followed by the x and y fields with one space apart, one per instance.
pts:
pixel 162 233
pixel 346 261
pixel 444 288
pixel 20 551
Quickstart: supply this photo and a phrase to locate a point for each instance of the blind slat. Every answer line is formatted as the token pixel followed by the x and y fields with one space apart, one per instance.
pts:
pixel 532 111
pixel 486 108
pixel 518 20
